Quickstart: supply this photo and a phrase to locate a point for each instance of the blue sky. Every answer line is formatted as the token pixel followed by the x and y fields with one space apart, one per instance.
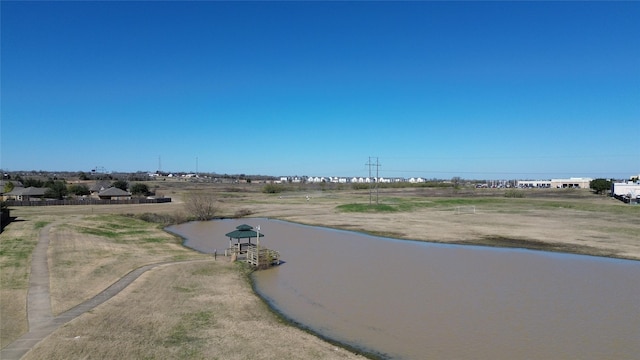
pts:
pixel 484 90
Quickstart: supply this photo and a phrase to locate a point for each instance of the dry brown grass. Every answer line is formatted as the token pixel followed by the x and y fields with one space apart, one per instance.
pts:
pixel 207 310
pixel 16 245
pixel 87 254
pixel 570 221
pixel 185 311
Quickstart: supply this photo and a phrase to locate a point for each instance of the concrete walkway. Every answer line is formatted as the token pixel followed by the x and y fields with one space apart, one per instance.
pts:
pixel 41 320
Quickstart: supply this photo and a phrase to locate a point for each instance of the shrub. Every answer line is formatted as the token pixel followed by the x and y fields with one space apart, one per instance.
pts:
pixel 8 186
pixel 140 189
pixel 360 186
pixel 56 190
pixel 121 184
pixel 163 219
pixel 272 188
pixel 512 193
pixel 79 189
pixel 242 213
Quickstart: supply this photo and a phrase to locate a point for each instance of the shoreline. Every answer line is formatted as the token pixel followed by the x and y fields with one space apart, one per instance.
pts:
pixel 494 242
pixel 247 273
pixel 501 243
pixel 368 354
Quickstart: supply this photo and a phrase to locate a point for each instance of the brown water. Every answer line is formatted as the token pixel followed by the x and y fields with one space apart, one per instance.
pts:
pixel 415 300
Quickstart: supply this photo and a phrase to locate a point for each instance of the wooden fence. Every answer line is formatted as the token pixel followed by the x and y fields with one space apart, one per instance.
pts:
pixel 87 202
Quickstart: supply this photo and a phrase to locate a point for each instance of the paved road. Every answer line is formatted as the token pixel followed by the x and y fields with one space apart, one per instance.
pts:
pixel 41 320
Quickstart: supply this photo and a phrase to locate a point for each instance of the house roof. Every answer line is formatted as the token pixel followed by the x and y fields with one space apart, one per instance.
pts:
pixel 30 191
pixel 14 182
pixel 113 191
pixel 243 231
pixel 99 186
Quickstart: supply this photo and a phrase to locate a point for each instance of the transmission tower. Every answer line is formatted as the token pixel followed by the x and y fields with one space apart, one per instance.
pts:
pixel 373 185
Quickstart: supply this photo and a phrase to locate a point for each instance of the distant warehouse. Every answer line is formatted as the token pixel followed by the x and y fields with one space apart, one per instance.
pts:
pixel 628 192
pixel 582 183
pixel 574 182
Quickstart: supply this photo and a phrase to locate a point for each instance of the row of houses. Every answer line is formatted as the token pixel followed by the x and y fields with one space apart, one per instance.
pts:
pixel 170 175
pixel 574 182
pixel 346 180
pixel 99 190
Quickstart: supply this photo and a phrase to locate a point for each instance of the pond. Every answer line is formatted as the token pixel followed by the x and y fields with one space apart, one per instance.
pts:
pixel 416 300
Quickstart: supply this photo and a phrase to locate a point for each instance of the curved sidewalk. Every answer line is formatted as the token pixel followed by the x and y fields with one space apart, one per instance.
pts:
pixel 41 320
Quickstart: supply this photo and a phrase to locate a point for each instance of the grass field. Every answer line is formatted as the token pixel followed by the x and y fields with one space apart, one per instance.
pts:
pixel 207 310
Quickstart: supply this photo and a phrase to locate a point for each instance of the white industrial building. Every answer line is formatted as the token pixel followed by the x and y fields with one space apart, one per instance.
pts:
pixel 574 182
pixel 533 183
pixel 626 189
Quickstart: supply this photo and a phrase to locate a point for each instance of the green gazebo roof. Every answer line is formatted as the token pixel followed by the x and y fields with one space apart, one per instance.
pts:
pixel 242 232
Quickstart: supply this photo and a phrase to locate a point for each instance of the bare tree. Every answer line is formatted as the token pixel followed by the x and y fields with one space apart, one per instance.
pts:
pixel 456 181
pixel 201 206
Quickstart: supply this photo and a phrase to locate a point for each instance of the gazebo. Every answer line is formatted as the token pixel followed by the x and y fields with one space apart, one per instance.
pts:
pixel 259 257
pixel 242 235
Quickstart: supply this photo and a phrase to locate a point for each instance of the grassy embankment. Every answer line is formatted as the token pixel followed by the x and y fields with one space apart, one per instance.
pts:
pixel 86 254
pixel 589 225
pixel 184 310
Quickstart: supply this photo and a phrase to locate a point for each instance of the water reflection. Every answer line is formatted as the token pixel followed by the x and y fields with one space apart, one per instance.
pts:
pixel 416 300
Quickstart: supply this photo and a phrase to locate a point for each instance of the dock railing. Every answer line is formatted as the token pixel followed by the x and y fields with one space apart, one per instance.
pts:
pixel 265 258
pixel 262 257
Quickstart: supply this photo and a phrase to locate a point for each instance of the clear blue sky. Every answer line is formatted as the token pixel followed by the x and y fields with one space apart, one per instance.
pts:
pixel 484 90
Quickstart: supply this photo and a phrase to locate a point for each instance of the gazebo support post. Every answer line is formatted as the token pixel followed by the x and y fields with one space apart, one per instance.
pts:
pixel 258 246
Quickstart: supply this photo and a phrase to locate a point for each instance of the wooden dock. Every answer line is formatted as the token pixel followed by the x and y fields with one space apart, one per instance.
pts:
pixel 260 258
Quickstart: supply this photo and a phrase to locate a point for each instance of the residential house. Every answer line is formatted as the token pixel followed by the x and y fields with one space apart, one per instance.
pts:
pixel 25 194
pixel 99 186
pixel 113 193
